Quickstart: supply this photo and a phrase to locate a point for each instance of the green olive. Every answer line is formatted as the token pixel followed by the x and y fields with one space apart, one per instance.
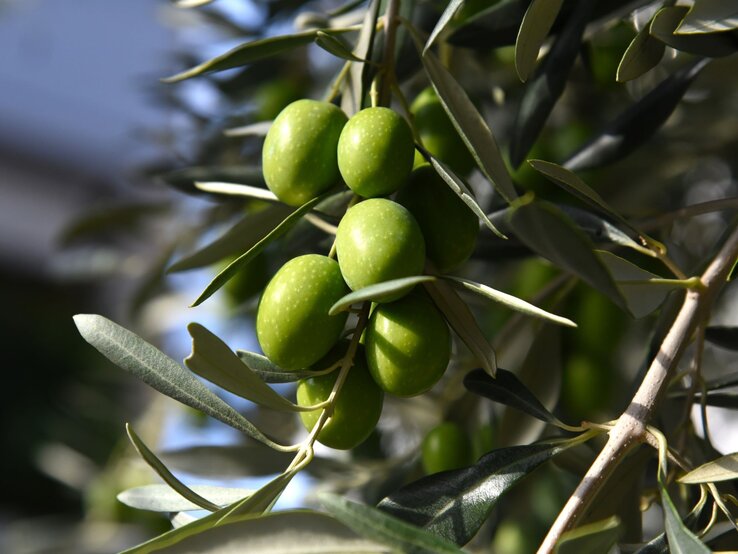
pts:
pixel 449 227
pixel 356 410
pixel 445 447
pixel 375 152
pixel 299 155
pixel 292 322
pixel 378 240
pixel 408 345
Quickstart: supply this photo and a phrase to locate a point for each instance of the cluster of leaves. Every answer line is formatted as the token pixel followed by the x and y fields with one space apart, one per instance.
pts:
pixel 596 242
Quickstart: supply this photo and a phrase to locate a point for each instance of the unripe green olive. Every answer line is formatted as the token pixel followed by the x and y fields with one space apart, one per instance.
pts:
pixel 449 227
pixel 375 152
pixel 438 134
pixel 299 155
pixel 408 345
pixel 292 322
pixel 445 447
pixel 356 410
pixel 378 240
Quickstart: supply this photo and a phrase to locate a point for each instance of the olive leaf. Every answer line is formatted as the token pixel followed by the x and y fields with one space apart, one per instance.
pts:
pixel 268 371
pixel 184 179
pixel 709 16
pixel 712 45
pixel 536 24
pixel 443 21
pixel 257 129
pixel 156 369
pixel 355 88
pixel 643 53
pixel 378 292
pixel 724 468
pixel 236 189
pixel 599 536
pixel 681 539
pixel 161 498
pixel 334 45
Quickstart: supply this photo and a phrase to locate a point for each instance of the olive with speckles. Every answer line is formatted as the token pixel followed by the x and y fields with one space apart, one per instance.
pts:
pixel 449 227
pixel 292 322
pixel 375 152
pixel 356 410
pixel 299 158
pixel 379 240
pixel 408 345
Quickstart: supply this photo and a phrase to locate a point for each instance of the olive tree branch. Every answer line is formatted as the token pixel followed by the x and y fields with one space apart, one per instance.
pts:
pixel 630 428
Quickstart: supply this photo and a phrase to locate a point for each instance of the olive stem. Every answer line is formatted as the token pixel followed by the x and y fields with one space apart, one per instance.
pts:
pixel 630 428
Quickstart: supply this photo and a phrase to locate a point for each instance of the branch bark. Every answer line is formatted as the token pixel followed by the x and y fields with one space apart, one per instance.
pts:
pixel 630 428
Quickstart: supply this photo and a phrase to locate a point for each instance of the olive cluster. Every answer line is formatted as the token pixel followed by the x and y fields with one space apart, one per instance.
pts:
pixel 406 344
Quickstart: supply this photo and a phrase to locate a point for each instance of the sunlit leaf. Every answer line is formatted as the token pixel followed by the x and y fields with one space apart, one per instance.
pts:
pixel 258 129
pixel 334 45
pixel 512 302
pixel 235 189
pixel 643 53
pixel 370 522
pixel 156 369
pixel 724 468
pixel 712 45
pixel 378 292
pixel 162 498
pixel 710 16
pixel 443 21
pixel 191 3
pixel 599 536
pixel 213 360
pixel 536 24
pixel 269 372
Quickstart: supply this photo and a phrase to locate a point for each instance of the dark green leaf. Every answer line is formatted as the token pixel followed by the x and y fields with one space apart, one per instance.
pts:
pixel 443 21
pixel 230 271
pixel 267 371
pixel 537 22
pixel 355 89
pixel 462 321
pixel 550 233
pixel 211 359
pixel 725 337
pixel 463 192
pixel 334 45
pixel 681 539
pixel 132 353
pixel 637 123
pixel 249 230
pixel 184 179
pixel 163 472
pixel 599 536
pixel 512 302
pixel 378 292
pixel 491 28
pixel 544 90
pixel 599 229
pixel 507 389
pixel 454 504
pixel 643 53
pixel 370 522
pixel 724 468
pixel 712 45
pixel 710 16
pixel 161 498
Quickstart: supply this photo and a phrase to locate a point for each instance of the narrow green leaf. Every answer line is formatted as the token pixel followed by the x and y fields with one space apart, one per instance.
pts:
pixel 550 233
pixel 191 3
pixel 269 372
pixel 643 53
pixel 548 83
pixel 463 192
pixel 184 179
pixel 454 504
pixel 462 321
pixel 599 229
pixel 230 271
pixel 443 21
pixel 710 16
pixel 235 189
pixel 512 302
pixel 163 472
pixel 724 468
pixel 211 359
pixel 261 501
pixel 491 28
pixel 713 45
pixel 355 89
pixel 725 337
pixel 507 389
pixel 156 369
pixel 161 498
pixel 637 123
pixel 681 540
pixel 537 22
pixel 334 45
pixel 297 531
pixel 247 232
pixel 378 292
pixel 258 129
pixel 370 522
pixel 599 536
pixel 249 52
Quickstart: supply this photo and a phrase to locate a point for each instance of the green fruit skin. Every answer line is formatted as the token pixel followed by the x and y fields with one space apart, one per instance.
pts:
pixel 292 322
pixel 299 156
pixel 438 134
pixel 408 345
pixel 378 240
pixel 375 152
pixel 356 410
pixel 449 227
pixel 445 447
